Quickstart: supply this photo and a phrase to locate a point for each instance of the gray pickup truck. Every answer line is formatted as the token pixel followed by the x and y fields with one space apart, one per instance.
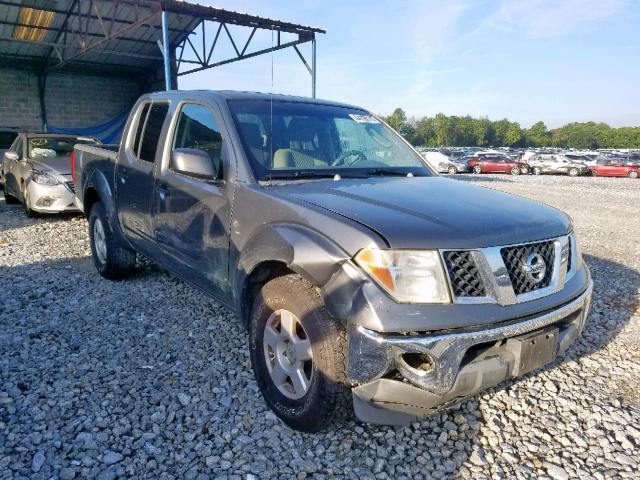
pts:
pixel 367 283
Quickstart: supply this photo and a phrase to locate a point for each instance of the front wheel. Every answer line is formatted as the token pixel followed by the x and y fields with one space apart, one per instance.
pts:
pixel 573 172
pixel 633 174
pixel 26 203
pixel 515 171
pixel 298 354
pixel 477 169
pixel 452 170
pixel 537 171
pixel 113 260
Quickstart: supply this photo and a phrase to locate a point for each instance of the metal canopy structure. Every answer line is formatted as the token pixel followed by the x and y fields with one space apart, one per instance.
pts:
pixel 134 37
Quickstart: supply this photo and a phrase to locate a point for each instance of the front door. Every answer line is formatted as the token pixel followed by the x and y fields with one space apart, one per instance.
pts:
pixel 191 214
pixel 135 173
pixel 12 173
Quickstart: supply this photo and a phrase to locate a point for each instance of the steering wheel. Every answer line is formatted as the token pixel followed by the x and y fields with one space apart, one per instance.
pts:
pixel 342 158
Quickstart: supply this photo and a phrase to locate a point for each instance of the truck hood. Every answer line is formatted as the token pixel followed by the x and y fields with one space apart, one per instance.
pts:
pixel 60 165
pixel 432 212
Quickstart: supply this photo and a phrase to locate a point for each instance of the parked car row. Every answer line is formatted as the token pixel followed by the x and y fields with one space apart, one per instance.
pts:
pixel 536 163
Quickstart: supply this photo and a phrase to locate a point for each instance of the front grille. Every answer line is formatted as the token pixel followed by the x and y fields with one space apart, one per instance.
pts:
pixel 71 187
pixel 464 275
pixel 515 258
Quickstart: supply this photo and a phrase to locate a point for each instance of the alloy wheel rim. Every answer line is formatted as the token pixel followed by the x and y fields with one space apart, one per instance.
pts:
pixel 99 241
pixel 288 354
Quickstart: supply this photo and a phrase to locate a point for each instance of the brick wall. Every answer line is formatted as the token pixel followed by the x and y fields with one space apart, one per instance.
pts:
pixel 19 104
pixel 83 101
pixel 71 100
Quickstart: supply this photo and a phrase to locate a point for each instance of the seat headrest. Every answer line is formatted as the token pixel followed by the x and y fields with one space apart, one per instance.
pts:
pixel 302 129
pixel 251 133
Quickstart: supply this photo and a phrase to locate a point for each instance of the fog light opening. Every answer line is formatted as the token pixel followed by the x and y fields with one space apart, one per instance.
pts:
pixel 45 201
pixel 418 361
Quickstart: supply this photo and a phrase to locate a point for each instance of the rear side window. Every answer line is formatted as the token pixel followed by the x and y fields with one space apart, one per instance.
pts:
pixel 152 130
pixel 141 120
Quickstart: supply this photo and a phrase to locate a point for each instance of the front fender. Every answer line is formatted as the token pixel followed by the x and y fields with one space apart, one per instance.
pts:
pixel 305 251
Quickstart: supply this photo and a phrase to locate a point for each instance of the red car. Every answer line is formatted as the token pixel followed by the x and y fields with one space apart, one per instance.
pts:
pixel 484 163
pixel 615 167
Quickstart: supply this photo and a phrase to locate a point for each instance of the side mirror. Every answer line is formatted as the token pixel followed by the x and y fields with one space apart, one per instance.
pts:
pixel 11 155
pixel 193 162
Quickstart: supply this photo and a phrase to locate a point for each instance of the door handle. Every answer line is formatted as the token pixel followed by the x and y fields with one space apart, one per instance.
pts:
pixel 163 191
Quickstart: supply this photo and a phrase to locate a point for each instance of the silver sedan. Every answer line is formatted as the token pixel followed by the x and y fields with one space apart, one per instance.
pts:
pixel 37 172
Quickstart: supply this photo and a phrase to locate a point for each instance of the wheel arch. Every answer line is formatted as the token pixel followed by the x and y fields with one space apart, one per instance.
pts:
pixel 280 250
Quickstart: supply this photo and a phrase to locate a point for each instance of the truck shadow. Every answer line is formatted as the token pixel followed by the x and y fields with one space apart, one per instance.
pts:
pixel 164 338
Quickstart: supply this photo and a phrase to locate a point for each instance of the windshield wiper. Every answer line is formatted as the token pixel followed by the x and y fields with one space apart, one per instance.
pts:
pixel 313 174
pixel 391 172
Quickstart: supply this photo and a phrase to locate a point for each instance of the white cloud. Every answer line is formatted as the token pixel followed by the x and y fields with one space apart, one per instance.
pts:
pixel 550 18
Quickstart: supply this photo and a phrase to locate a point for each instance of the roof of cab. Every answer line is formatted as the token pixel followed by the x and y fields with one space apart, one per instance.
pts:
pixel 239 95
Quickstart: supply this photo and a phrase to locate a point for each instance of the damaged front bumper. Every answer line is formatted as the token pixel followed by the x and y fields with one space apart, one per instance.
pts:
pixel 402 377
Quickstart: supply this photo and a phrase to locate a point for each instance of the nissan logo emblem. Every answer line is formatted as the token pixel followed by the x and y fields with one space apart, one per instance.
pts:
pixel 534 267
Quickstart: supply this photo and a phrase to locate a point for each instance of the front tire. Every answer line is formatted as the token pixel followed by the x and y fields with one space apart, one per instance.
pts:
pixel 298 354
pixel 515 171
pixel 452 170
pixel 477 169
pixel 573 172
pixel 537 171
pixel 113 260
pixel 633 174
pixel 26 203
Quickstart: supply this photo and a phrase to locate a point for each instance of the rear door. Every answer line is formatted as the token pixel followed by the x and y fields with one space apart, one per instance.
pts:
pixel 191 215
pixel 135 172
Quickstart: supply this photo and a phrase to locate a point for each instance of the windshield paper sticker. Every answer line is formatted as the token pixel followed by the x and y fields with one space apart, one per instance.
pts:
pixel 364 118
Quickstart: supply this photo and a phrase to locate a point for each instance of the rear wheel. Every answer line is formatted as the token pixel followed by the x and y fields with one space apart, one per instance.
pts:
pixel 113 260
pixel 537 171
pixel 8 198
pixel 298 354
pixel 477 169
pixel 451 170
pixel 633 174
pixel 573 172
pixel 515 171
pixel 594 173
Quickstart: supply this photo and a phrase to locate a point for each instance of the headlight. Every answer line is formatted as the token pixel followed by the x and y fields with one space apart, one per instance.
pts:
pixel 45 178
pixel 409 276
pixel 577 251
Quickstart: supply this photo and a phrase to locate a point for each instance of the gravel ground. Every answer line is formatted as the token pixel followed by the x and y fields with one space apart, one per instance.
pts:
pixel 150 378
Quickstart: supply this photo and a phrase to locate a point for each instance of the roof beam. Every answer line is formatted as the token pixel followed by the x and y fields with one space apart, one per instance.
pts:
pixel 9 3
pixel 248 55
pixel 93 46
pixel 62 30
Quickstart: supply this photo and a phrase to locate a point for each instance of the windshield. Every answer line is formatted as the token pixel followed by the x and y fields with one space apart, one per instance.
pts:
pixel 41 148
pixel 290 139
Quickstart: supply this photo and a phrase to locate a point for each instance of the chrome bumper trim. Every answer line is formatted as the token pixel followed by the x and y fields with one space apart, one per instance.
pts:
pixel 447 350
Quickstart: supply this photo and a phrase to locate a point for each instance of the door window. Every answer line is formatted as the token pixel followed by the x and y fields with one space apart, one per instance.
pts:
pixel 197 128
pixel 19 149
pixel 152 130
pixel 141 120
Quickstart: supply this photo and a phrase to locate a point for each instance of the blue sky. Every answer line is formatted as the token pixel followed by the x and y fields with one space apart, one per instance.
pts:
pixel 551 60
